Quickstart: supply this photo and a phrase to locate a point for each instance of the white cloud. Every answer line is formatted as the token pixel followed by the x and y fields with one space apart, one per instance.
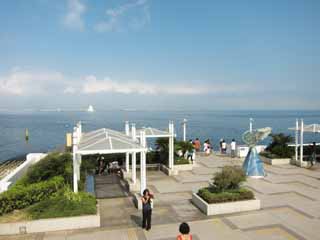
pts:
pixel 130 15
pixel 93 86
pixel 73 18
pixel 19 82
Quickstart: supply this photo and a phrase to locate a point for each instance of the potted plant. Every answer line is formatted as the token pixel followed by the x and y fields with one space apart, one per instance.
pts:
pixel 225 194
pixel 278 151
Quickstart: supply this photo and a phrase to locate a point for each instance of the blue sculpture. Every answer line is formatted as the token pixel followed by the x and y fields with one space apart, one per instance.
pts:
pixel 253 165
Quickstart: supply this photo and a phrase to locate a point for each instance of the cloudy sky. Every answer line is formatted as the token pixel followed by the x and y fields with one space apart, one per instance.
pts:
pixel 160 54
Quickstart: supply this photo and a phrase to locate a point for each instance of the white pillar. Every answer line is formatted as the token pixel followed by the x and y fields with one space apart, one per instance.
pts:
pixel 171 145
pixel 133 131
pixel 301 142
pixel 127 162
pixel 143 177
pixel 74 159
pixel 134 170
pixel 184 129
pixel 79 160
pixel 127 128
pixel 296 140
pixel 250 124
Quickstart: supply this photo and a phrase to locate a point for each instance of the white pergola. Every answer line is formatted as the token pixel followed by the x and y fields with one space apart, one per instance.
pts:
pixel 104 141
pixel 108 141
pixel 148 133
pixel 311 128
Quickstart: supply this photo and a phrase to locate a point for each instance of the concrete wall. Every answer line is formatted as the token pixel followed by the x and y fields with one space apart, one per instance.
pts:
pixel 225 208
pixel 53 224
pixel 17 173
pixel 242 150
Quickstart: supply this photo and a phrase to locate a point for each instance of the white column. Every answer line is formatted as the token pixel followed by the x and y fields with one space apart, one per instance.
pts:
pixel 79 160
pixel 296 140
pixel 143 177
pixel 301 142
pixel 250 124
pixel 74 160
pixel 134 170
pixel 127 128
pixel 127 162
pixel 171 145
pixel 133 131
pixel 184 129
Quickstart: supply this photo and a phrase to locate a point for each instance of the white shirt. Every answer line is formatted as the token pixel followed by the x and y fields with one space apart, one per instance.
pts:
pixel 233 145
pixel 224 145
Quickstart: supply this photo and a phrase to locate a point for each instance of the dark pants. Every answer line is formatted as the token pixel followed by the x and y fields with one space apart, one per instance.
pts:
pixel 146 218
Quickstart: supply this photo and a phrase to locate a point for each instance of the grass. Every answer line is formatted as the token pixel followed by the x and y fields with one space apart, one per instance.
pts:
pixel 15 216
pixel 64 206
pixel 180 161
pixel 241 194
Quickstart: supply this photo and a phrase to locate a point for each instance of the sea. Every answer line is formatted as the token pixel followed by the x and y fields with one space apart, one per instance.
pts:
pixel 47 129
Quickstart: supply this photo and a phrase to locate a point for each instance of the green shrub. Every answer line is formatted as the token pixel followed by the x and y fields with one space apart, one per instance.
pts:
pixel 65 204
pixel 228 179
pixel 54 164
pixel 228 196
pixel 279 148
pixel 20 196
pixel 183 146
pixel 180 161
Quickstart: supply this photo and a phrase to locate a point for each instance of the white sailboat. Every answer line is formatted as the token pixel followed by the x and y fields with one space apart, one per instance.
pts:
pixel 90 108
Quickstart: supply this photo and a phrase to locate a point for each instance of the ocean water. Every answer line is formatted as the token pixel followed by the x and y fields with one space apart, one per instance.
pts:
pixel 47 130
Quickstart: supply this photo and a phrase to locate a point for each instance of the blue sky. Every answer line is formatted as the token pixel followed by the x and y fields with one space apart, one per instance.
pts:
pixel 160 54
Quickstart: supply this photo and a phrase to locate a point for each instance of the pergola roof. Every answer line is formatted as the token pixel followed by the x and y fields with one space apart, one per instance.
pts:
pixel 315 128
pixel 153 132
pixel 105 141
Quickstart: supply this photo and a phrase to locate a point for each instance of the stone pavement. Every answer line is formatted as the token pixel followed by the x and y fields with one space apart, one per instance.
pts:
pixel 290 198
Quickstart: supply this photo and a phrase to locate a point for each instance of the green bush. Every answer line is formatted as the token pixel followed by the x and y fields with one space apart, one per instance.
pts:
pixel 65 204
pixel 228 179
pixel 54 164
pixel 279 148
pixel 228 196
pixel 20 196
pixel 180 161
pixel 183 146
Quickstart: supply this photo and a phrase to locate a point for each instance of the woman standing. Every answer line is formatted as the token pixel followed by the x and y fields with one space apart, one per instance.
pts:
pixel 147 203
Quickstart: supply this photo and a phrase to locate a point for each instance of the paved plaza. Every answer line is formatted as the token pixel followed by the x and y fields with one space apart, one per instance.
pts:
pixel 290 198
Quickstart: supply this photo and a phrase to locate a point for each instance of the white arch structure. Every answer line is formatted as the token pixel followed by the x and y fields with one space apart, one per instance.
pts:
pixel 302 128
pixel 108 141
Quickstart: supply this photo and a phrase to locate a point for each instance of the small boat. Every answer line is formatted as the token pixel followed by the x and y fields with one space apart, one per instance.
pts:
pixel 90 109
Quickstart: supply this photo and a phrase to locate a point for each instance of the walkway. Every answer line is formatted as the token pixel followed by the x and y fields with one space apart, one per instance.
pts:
pixel 290 200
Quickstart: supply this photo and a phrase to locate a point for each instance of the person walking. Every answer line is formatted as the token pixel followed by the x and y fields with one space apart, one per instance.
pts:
pixel 184 230
pixel 190 153
pixel 197 145
pixel 233 148
pixel 224 147
pixel 147 205
pixel 220 145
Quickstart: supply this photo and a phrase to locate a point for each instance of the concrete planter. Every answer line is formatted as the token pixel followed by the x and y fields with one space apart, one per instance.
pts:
pixel 183 167
pixel 225 208
pixel 52 224
pixel 168 171
pixel 276 161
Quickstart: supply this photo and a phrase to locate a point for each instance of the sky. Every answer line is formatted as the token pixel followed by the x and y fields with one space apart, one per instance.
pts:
pixel 160 54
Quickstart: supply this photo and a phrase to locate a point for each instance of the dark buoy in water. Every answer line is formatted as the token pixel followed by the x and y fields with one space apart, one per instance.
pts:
pixel 27 135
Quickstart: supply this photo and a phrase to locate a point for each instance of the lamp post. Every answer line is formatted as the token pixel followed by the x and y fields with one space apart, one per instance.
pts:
pixel 184 125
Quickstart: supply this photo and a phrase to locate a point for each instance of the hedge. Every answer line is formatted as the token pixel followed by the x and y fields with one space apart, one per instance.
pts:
pixel 20 196
pixel 226 196
pixel 63 205
pixel 54 164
